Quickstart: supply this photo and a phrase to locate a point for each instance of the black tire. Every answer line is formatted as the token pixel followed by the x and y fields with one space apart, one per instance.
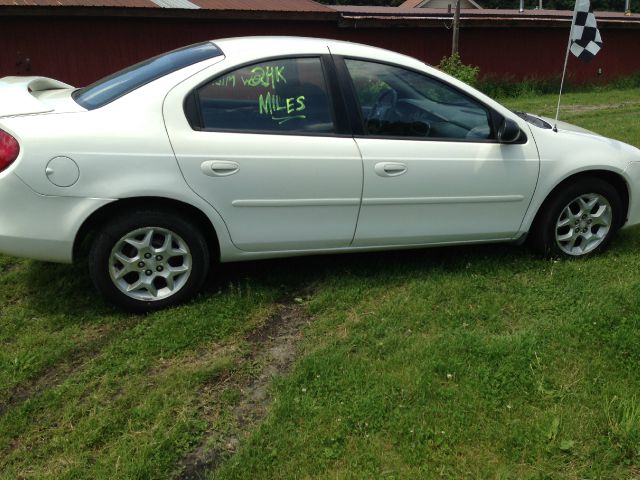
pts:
pixel 542 236
pixel 171 227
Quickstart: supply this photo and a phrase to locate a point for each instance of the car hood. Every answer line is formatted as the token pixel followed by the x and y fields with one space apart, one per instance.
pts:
pixel 627 151
pixel 548 123
pixel 595 150
pixel 568 127
pixel 34 95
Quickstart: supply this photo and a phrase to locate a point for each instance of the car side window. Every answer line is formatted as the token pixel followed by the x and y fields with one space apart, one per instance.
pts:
pixel 275 96
pixel 401 103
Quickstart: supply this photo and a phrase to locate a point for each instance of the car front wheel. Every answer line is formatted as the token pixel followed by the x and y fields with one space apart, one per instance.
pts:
pixel 578 220
pixel 148 260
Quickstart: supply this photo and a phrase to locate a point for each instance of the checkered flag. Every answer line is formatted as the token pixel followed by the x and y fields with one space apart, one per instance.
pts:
pixel 586 41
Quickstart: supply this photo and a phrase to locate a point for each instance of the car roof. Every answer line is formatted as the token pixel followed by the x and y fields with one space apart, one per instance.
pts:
pixel 275 46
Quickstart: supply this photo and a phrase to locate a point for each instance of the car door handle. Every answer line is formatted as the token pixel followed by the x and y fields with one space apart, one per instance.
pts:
pixel 218 168
pixel 390 169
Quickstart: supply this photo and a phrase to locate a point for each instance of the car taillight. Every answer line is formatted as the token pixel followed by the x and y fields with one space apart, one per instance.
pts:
pixel 9 150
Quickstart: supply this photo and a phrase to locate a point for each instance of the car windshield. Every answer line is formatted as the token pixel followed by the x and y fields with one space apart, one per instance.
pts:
pixel 114 86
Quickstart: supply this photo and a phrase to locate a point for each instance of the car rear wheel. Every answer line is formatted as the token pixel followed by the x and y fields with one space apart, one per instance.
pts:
pixel 578 220
pixel 148 260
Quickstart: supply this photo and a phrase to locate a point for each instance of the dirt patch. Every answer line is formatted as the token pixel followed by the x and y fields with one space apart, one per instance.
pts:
pixel 194 360
pixel 594 108
pixel 56 374
pixel 8 268
pixel 274 347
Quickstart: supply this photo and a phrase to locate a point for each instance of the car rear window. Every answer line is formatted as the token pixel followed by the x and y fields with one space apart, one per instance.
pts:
pixel 114 86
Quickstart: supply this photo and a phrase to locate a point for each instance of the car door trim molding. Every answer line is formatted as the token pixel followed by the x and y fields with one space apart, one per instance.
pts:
pixel 297 202
pixel 442 200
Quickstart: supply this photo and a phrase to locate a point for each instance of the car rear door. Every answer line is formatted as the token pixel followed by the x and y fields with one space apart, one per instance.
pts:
pixel 263 144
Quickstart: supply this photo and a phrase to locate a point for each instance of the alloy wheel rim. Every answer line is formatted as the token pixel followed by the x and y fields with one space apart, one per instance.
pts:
pixel 150 264
pixel 583 224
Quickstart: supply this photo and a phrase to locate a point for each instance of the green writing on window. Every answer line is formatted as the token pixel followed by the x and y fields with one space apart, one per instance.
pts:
pixel 267 76
pixel 261 76
pixel 226 81
pixel 280 109
pixel 259 83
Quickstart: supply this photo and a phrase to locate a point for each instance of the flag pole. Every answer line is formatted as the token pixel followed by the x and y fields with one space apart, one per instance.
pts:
pixel 564 70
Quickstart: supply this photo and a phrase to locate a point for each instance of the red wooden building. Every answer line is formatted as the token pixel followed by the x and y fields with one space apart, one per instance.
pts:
pixel 80 41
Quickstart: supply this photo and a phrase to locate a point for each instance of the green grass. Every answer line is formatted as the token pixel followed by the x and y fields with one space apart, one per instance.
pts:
pixel 480 362
pixel 107 395
pixel 508 87
pixel 614 113
pixel 470 363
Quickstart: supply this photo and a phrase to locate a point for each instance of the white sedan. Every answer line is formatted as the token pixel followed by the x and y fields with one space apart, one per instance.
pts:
pixel 248 148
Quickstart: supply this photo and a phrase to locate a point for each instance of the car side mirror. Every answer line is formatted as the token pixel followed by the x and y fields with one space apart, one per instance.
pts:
pixel 509 131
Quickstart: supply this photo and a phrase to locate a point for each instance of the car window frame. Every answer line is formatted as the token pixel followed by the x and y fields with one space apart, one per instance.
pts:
pixel 355 109
pixel 337 107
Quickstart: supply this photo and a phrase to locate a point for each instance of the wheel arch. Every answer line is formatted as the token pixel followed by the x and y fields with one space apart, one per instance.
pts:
pixel 104 214
pixel 615 179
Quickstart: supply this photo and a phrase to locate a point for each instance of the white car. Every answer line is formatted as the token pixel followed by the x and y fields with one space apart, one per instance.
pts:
pixel 249 148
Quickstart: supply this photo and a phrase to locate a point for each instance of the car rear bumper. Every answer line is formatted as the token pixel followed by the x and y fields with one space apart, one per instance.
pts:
pixel 39 226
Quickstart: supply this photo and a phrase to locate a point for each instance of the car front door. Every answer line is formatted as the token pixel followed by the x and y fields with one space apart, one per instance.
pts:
pixel 433 171
pixel 262 145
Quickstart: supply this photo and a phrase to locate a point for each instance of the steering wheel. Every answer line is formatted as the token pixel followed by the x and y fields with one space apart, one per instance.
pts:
pixel 385 104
